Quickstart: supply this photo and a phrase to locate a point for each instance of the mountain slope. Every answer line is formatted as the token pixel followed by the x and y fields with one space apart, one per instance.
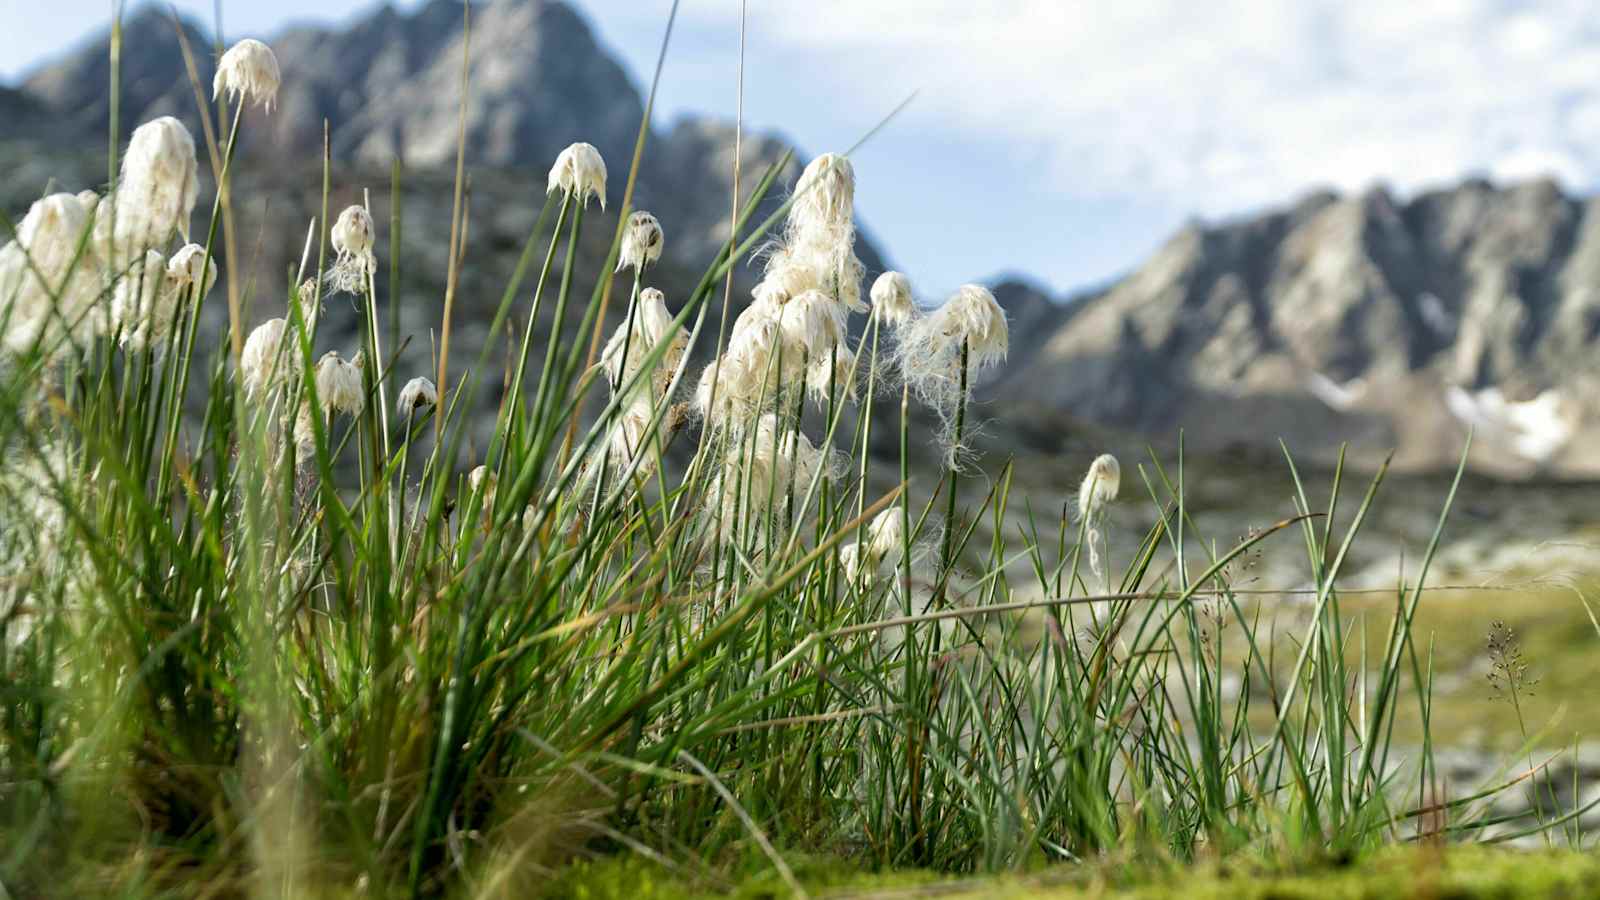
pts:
pixel 388 86
pixel 1389 324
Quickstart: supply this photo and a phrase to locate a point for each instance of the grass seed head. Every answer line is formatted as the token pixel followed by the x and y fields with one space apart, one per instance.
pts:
pixel 642 241
pixel 418 395
pixel 579 173
pixel 248 73
pixel 891 300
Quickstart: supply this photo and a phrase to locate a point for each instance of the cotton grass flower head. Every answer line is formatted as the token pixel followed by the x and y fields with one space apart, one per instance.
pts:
pixel 248 73
pixel 352 242
pixel 339 384
pixel 738 380
pixel 339 390
pixel 266 360
pixel 885 539
pixel 1099 487
pixel 185 266
pixel 47 287
pixel 271 352
pixel 156 193
pixel 824 196
pixel 481 480
pixel 642 241
pixel 651 323
pixel 761 467
pixel 579 173
pixel 417 396
pixel 892 303
pixel 142 306
pixel 929 352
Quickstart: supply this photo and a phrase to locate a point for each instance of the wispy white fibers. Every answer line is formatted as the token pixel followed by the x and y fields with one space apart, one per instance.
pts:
pixel 892 302
pixel 642 241
pixel 340 391
pixel 651 323
pixel 761 467
pixel 339 384
pixel 155 194
pixel 138 299
pixel 47 287
pixel 791 336
pixel 268 359
pixel 579 173
pixel 885 540
pixel 354 262
pixel 144 305
pixel 248 73
pixel 929 352
pixel 1099 488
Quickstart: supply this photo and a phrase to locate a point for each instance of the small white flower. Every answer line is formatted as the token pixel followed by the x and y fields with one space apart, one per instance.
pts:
pixel 419 394
pixel 892 304
pixel 248 72
pixel 352 242
pixel 1099 487
pixel 579 173
pixel 642 240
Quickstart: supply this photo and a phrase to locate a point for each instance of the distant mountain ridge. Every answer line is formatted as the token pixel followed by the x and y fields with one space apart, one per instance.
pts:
pixel 1386 323
pixel 389 86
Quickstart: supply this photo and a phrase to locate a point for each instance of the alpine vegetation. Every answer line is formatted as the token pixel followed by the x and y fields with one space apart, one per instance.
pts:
pixel 262 630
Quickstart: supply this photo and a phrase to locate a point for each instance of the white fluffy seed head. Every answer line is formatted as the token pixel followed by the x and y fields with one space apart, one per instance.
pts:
pixel 892 303
pixel 1100 486
pixel 183 270
pixel 339 384
pixel 261 364
pixel 353 231
pixel 352 239
pixel 156 193
pixel 142 305
pixel 824 197
pixel 812 325
pixel 579 173
pixel 418 395
pixel 974 316
pixel 884 540
pixel 642 241
pixel 832 377
pixel 651 323
pixel 248 73
pixel 762 466
pixel 46 286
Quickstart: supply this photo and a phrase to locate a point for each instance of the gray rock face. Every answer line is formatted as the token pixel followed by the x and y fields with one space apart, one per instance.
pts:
pixel 1392 325
pixel 388 86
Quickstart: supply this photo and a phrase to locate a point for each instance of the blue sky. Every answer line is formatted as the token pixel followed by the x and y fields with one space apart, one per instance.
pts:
pixel 1067 138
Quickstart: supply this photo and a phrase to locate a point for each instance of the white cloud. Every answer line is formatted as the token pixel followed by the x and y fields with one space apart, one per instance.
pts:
pixel 1219 106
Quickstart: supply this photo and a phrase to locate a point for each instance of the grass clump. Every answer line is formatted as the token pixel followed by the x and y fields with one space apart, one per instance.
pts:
pixel 261 632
